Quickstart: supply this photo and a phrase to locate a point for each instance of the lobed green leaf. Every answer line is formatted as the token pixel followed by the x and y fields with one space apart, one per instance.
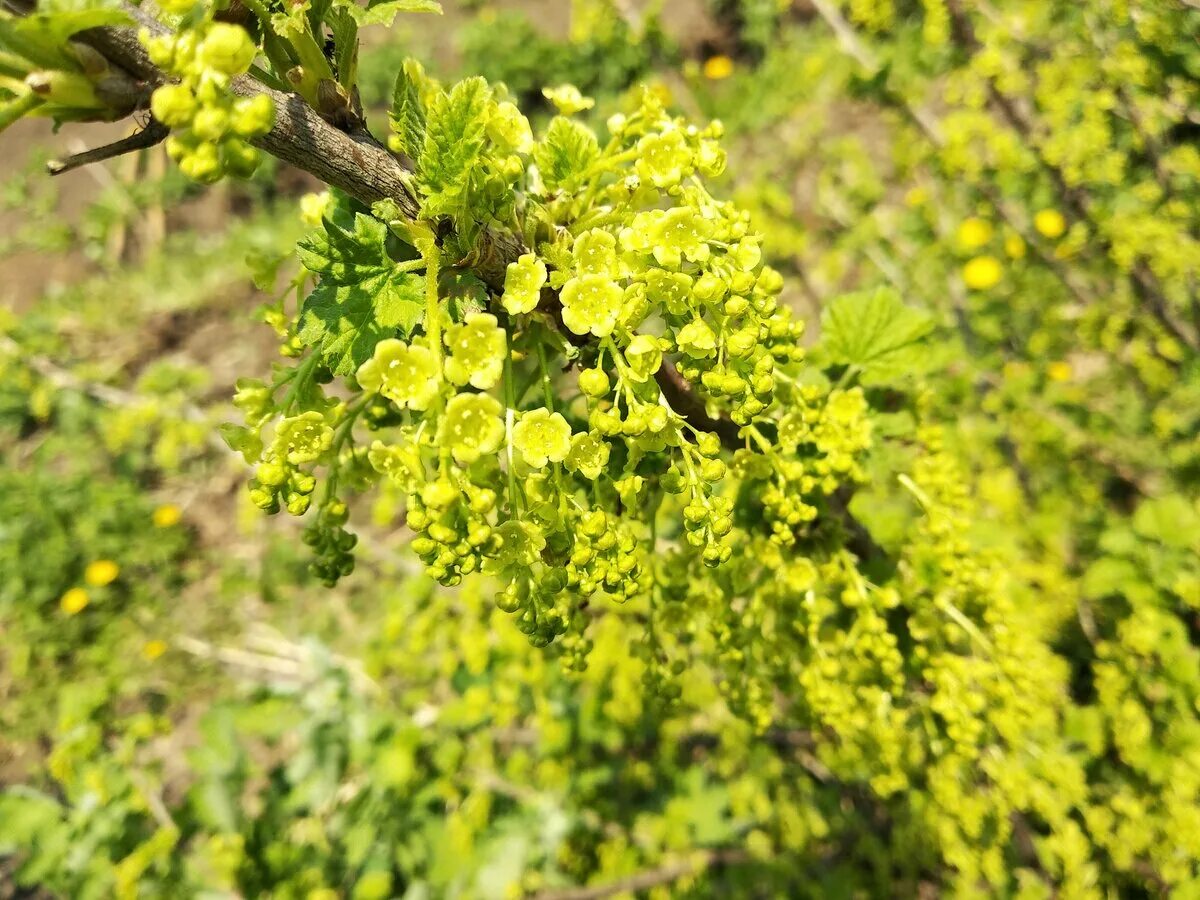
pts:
pixel 876 332
pixel 566 152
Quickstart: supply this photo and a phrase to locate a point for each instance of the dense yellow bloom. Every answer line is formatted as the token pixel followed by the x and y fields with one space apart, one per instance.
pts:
pixel 101 572
pixel 167 515
pixel 1059 371
pixel 1050 223
pixel 153 649
pixel 73 601
pixel 973 233
pixel 718 67
pixel 982 273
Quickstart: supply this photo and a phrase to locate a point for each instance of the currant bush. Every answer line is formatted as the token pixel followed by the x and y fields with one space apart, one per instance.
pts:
pixel 907 606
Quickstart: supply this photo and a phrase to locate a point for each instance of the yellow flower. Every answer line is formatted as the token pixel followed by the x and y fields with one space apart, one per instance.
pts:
pixel 73 601
pixel 1050 223
pixel 982 273
pixel 313 207
pixel 101 572
pixel 718 67
pixel 973 233
pixel 660 92
pixel 916 196
pixel 1014 246
pixel 1059 371
pixel 152 650
pixel 167 515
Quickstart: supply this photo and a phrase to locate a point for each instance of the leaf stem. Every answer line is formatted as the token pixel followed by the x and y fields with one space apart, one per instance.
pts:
pixel 303 375
pixel 10 112
pixel 514 496
pixel 432 256
pixel 547 387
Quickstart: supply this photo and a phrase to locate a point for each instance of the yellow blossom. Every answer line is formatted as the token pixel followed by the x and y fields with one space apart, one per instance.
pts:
pixel 101 572
pixel 153 649
pixel 167 515
pixel 73 601
pixel 973 233
pixel 982 272
pixel 314 206
pixel 718 67
pixel 1059 371
pixel 660 92
pixel 1050 223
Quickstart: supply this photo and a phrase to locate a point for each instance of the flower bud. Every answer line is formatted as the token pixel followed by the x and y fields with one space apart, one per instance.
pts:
pixel 594 382
pixel 240 160
pixel 202 164
pixel 227 49
pixel 173 105
pixel 210 123
pixel 252 116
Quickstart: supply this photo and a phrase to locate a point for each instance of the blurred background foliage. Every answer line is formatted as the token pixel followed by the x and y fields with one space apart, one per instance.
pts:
pixel 186 712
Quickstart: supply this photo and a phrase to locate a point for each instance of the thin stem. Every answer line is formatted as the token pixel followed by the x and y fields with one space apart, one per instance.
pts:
pixel 274 47
pixel 10 112
pixel 514 495
pixel 431 254
pixel 153 134
pixel 340 437
pixel 303 375
pixel 547 387
pixel 13 66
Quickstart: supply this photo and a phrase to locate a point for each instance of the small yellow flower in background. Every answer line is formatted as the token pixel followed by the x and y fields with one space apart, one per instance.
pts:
pixel 1059 371
pixel 718 67
pixel 152 650
pixel 167 515
pixel 661 92
pixel 568 99
pixel 1014 246
pixel 101 572
pixel 982 273
pixel 73 601
pixel 1050 223
pixel 314 206
pixel 973 233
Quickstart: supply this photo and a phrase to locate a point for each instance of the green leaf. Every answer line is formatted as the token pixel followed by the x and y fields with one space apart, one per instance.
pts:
pixel 462 293
pixel 566 152
pixel 264 267
pixel 25 814
pixel 42 37
pixel 346 321
pixel 383 13
pixel 1171 520
pixel 347 253
pixel 876 332
pixel 1108 575
pixel 362 298
pixel 454 139
pixel 344 30
pixel 408 110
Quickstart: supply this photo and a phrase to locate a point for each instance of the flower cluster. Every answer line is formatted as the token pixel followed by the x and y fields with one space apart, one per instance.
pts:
pixel 644 292
pixel 210 126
